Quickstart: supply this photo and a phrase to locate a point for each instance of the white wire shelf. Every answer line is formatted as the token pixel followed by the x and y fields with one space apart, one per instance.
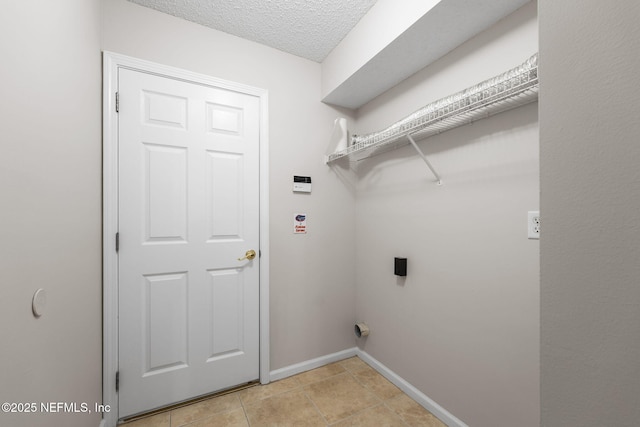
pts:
pixel 512 89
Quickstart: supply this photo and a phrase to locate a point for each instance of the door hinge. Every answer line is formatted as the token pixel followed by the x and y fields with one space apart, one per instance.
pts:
pixel 118 381
pixel 117 102
pixel 117 242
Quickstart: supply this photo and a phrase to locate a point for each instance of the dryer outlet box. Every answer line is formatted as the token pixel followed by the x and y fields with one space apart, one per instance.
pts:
pixel 400 268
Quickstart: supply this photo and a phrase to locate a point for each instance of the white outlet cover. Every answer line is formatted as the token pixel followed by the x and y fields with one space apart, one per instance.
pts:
pixel 533 224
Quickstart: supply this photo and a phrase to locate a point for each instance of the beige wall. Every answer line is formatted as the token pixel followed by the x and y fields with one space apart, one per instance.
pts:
pixel 50 182
pixel 382 24
pixel 590 269
pixel 312 276
pixel 463 327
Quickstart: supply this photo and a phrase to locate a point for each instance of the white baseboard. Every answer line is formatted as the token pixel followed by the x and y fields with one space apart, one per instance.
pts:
pixel 424 400
pixel 291 370
pixel 443 415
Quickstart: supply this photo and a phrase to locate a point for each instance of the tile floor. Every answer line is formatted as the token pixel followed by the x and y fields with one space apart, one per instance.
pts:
pixel 345 393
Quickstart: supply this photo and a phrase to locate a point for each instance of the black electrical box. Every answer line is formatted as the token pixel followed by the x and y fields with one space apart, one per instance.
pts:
pixel 400 267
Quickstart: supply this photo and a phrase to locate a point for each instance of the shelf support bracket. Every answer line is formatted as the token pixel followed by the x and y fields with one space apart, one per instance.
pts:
pixel 433 171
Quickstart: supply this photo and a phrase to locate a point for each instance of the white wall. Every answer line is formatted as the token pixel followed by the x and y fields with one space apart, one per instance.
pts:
pixel 463 327
pixel 50 181
pixel 590 181
pixel 381 25
pixel 312 276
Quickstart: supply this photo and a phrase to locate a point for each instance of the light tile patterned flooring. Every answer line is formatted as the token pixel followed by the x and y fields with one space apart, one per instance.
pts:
pixel 345 393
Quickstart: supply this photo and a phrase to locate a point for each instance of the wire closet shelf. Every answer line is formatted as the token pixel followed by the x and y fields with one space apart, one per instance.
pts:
pixel 512 89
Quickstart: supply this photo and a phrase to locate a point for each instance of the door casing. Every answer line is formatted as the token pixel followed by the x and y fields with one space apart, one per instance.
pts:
pixel 111 63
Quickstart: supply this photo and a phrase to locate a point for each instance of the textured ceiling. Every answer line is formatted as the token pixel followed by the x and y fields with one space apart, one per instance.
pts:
pixel 306 28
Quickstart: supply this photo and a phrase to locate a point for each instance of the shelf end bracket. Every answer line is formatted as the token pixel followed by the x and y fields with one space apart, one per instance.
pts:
pixel 433 171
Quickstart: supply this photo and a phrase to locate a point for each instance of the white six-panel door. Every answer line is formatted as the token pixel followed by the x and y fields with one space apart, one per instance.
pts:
pixel 188 209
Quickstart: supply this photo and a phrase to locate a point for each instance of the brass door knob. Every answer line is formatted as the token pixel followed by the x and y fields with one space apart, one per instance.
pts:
pixel 250 254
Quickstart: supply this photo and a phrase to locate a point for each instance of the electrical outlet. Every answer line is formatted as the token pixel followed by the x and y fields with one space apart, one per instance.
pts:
pixel 533 225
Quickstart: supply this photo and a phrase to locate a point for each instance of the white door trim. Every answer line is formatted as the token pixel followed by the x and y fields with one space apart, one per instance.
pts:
pixel 111 63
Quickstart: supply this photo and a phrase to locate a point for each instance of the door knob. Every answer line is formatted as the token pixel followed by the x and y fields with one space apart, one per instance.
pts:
pixel 250 254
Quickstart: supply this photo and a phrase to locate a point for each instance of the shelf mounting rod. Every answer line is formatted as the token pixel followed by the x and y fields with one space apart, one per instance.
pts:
pixel 433 171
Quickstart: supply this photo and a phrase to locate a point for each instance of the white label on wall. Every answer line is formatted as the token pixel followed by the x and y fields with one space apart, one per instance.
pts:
pixel 299 223
pixel 301 184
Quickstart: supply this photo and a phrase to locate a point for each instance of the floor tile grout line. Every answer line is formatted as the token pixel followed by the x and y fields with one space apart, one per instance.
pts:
pixel 378 403
pixel 209 414
pixel 370 408
pixel 350 372
pixel 366 387
pixel 246 416
pixel 402 420
pixel 326 421
pixel 300 387
pixel 244 409
pixel 270 396
pixel 382 401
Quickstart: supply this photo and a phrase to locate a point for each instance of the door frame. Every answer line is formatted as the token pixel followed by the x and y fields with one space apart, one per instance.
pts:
pixel 112 62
